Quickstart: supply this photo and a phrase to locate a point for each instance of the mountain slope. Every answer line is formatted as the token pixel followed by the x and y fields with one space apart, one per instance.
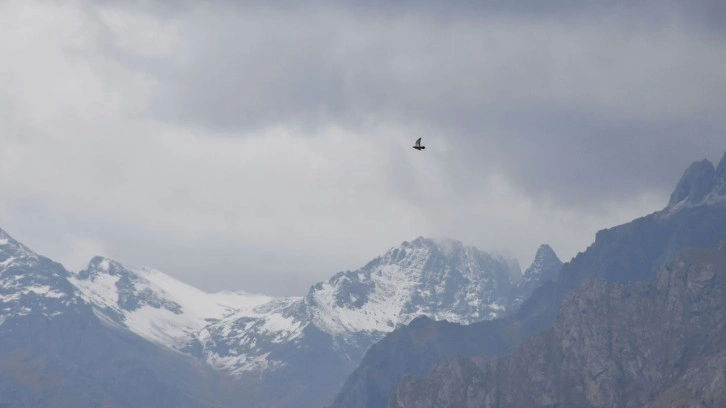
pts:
pixel 660 343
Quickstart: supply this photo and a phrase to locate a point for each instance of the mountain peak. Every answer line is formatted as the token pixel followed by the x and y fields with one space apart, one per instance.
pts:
pixel 701 183
pixel 447 246
pixel 101 265
pixel 546 252
pixel 421 241
pixel 441 278
pixel 545 266
pixel 12 249
pixel 697 181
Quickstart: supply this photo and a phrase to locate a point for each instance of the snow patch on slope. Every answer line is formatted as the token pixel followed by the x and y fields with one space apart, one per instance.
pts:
pixel 440 278
pixel 240 342
pixel 380 313
pixel 174 312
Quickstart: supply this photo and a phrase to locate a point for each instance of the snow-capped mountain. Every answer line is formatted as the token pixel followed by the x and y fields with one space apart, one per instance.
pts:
pixel 442 279
pixel 292 351
pixel 259 336
pixel 439 278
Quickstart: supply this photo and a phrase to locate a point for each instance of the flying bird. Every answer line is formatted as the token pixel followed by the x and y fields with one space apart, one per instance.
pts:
pixel 418 146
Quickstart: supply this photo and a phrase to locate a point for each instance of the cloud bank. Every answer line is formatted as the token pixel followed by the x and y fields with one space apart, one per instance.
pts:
pixel 244 145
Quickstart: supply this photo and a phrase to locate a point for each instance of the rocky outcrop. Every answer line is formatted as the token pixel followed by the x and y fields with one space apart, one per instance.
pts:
pixel 660 343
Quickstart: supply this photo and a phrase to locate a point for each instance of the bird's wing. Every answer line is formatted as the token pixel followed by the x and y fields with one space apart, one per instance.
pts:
pixel 418 142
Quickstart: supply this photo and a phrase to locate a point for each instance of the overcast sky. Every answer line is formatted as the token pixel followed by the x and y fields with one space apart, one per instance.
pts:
pixel 258 147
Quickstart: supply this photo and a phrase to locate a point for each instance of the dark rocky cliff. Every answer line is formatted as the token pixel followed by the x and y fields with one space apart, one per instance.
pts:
pixel 659 343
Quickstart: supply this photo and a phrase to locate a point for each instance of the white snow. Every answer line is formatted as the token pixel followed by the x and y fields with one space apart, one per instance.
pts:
pixel 197 302
pixel 397 283
pixel 10 298
pixel 7 262
pixel 712 199
pixel 235 329
pixel 100 292
pixel 393 288
pixel 245 333
pixel 43 290
pixel 160 325
pixel 243 363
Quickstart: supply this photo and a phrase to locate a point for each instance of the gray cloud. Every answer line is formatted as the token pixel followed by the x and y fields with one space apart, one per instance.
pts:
pixel 262 147
pixel 515 87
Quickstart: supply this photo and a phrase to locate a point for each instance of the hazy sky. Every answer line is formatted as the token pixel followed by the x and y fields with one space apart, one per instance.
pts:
pixel 248 146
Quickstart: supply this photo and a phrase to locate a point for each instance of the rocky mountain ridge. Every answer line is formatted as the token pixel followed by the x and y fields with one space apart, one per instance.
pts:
pixel 659 343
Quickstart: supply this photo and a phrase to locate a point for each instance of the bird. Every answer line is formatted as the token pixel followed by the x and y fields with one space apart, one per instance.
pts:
pixel 418 146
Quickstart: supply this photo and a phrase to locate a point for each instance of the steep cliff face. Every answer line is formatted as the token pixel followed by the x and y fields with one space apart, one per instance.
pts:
pixel 660 343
